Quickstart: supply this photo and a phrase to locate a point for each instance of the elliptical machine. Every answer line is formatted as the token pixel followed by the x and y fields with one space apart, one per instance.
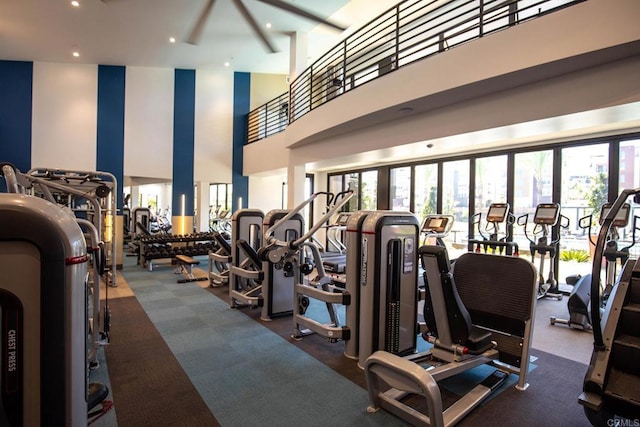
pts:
pixel 546 217
pixel 436 227
pixel 497 241
pixel 580 297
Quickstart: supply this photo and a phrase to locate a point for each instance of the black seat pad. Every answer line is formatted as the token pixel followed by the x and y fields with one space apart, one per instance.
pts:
pixel 97 393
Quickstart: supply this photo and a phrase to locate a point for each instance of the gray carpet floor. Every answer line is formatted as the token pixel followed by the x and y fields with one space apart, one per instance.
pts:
pixel 249 373
pixel 246 374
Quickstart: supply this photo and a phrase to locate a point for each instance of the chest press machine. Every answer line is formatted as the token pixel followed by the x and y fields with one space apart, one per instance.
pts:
pixel 44 305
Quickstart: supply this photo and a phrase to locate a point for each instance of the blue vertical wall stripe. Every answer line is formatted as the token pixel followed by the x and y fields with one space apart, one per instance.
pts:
pixel 16 89
pixel 241 98
pixel 110 126
pixel 184 112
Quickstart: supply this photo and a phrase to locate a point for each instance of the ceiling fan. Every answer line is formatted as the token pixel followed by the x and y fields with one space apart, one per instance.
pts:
pixel 196 32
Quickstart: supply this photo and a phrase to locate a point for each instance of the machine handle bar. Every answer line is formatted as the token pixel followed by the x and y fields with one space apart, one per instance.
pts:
pixel 339 202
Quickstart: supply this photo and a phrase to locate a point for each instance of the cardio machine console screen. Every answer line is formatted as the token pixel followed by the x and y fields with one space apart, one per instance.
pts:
pixel 622 217
pixel 342 219
pixel 547 214
pixel 497 212
pixel 435 224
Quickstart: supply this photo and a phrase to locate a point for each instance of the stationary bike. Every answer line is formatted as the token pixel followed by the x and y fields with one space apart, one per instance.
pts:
pixel 580 297
pixel 546 217
pixel 496 241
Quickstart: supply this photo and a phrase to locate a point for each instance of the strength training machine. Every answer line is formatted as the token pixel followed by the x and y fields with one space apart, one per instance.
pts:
pixel 388 284
pixel 254 279
pixel 468 327
pixel 245 271
pixel 287 255
pixel 43 258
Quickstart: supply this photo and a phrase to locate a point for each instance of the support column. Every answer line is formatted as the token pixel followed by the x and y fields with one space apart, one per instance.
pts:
pixel 183 151
pixel 295 185
pixel 241 98
pixel 203 206
pixel 135 196
pixel 298 53
pixel 110 144
pixel 16 84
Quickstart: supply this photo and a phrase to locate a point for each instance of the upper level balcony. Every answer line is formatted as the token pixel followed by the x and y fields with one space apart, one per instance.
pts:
pixel 425 57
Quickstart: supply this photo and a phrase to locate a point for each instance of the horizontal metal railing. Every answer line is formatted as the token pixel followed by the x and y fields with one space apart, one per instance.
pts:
pixel 411 31
pixel 268 119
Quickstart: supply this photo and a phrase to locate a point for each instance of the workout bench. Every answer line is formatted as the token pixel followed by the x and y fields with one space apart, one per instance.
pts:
pixel 185 267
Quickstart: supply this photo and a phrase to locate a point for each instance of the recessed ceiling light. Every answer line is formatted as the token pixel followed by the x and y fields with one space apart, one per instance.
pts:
pixel 75 3
pixel 76 54
pixel 268 24
pixel 226 64
pixel 172 39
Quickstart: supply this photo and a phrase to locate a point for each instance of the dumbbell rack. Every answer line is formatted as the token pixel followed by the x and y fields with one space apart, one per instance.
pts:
pixel 153 248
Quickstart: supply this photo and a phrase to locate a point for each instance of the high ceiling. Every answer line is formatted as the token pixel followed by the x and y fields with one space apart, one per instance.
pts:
pixel 137 32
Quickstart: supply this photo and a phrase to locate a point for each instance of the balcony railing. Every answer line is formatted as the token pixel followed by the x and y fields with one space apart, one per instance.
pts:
pixel 268 119
pixel 411 31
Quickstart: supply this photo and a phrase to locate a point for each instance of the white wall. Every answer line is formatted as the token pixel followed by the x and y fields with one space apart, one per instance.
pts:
pixel 260 157
pixel 265 87
pixel 65 121
pixel 265 193
pixel 214 126
pixel 64 116
pixel 148 122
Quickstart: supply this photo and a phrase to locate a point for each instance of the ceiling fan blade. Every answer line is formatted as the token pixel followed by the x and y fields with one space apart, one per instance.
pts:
pixel 254 25
pixel 196 32
pixel 301 12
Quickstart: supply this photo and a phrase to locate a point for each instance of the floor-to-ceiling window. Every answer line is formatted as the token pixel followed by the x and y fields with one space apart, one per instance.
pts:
pixel 335 184
pixel 576 175
pixel 425 194
pixel 400 188
pixel 533 184
pixel 352 182
pixel 533 181
pixel 455 200
pixel 490 186
pixel 584 189
pixel 490 182
pixel 369 190
pixel 629 177
pixel 220 196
